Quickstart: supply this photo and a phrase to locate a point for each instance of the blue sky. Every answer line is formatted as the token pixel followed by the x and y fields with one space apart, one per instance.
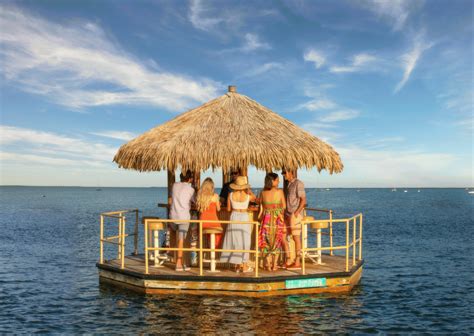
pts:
pixel 388 83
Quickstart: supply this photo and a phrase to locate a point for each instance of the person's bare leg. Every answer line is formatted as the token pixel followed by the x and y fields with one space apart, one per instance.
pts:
pixel 297 240
pixel 275 263
pixel 179 260
pixel 286 252
pixel 173 240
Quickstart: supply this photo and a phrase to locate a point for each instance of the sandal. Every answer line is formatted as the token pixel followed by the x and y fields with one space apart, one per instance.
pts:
pixel 248 270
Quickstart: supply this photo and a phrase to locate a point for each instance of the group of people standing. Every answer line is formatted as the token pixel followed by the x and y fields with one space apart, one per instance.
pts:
pixel 280 215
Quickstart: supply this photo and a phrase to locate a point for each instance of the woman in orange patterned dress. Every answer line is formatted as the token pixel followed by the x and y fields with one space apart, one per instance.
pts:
pixel 208 205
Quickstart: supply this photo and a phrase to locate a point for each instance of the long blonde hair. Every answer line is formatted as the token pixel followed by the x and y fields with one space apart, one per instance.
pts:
pixel 205 195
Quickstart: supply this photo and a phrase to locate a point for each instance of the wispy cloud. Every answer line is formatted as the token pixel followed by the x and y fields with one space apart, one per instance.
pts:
pixel 261 69
pixel 318 104
pixel 201 18
pixel 394 12
pixel 410 59
pixel 359 62
pixel 119 135
pixel 25 143
pixel 79 66
pixel 325 132
pixel 339 115
pixel 253 42
pixel 315 57
pixel 215 18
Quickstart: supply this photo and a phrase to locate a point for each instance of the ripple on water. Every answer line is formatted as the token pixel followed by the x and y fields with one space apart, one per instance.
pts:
pixel 417 276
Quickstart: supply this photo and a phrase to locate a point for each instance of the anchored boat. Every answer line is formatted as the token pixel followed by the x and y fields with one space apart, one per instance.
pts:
pixel 231 132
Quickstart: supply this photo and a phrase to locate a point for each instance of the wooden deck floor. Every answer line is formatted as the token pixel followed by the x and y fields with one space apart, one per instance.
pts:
pixel 332 265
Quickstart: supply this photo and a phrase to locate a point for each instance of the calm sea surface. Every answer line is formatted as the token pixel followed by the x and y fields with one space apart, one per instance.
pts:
pixel 418 273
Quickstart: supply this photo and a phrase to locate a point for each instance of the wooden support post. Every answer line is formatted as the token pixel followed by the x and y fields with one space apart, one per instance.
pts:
pixel 256 249
pixel 330 232
pixel 347 245
pixel 135 238
pixel 318 241
pixel 243 171
pixel 122 242
pixel 146 247
pixel 354 226
pixel 213 253
pixel 171 181
pixel 360 238
pixel 303 249
pixel 200 250
pixel 119 256
pixel 101 260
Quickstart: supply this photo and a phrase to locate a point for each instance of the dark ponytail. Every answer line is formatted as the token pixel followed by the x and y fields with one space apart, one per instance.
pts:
pixel 269 178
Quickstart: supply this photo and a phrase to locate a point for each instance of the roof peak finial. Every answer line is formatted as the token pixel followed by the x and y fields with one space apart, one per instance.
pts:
pixel 232 88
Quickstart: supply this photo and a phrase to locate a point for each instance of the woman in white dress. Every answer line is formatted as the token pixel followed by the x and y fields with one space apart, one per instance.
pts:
pixel 238 236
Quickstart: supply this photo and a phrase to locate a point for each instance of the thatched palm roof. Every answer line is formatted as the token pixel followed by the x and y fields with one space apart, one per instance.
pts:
pixel 231 131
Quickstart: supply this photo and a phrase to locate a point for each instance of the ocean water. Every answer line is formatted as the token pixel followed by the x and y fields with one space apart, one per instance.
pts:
pixel 418 274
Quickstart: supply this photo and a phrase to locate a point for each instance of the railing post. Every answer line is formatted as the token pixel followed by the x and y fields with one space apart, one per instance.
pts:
pixel 119 245
pixel 200 250
pixel 256 249
pixel 135 238
pixel 354 225
pixel 347 245
pixel 360 237
pixel 330 233
pixel 101 257
pixel 146 247
pixel 122 243
pixel 303 248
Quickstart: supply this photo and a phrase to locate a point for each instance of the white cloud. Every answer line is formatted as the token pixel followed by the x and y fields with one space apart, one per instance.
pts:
pixel 120 135
pixel 339 115
pixel 261 69
pixel 409 61
pixel 315 57
pixel 28 144
pixel 318 104
pixel 213 17
pixel 323 131
pixel 394 12
pixel 28 159
pixel 252 42
pixel 79 66
pixel 201 18
pixel 359 62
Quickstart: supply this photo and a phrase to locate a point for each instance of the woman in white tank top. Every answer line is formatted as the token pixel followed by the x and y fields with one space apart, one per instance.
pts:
pixel 238 236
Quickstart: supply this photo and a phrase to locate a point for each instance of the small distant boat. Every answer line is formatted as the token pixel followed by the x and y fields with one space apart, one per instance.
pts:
pixel 327 189
pixel 418 190
pixel 405 190
pixel 471 192
pixel 394 189
pixel 98 189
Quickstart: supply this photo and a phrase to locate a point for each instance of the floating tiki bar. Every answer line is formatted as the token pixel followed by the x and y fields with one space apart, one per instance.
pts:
pixel 230 133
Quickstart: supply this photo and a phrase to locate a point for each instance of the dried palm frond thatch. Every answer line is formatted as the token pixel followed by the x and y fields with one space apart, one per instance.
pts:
pixel 232 131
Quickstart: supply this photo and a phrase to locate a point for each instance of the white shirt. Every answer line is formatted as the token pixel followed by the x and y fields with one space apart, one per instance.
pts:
pixel 182 194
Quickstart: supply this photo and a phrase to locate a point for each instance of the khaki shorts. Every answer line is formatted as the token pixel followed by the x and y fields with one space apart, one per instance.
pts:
pixel 293 224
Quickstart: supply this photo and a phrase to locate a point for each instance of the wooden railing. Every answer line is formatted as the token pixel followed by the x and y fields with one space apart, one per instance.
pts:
pixel 118 239
pixel 353 224
pixel 201 249
pixel 356 239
